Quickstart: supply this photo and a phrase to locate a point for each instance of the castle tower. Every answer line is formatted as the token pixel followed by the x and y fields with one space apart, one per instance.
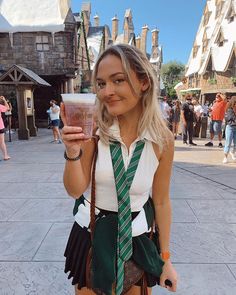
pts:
pixel 144 38
pixel 86 9
pixel 154 52
pixel 128 25
pixel 138 41
pixel 96 20
pixel 115 23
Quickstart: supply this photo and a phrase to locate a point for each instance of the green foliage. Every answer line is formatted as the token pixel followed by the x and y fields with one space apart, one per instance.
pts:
pixel 212 81
pixel 233 79
pixel 171 74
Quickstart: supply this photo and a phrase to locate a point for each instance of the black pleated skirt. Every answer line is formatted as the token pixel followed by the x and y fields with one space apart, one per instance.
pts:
pixel 76 253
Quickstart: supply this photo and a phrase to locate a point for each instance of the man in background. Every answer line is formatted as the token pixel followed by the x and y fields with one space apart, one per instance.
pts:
pixel 187 115
pixel 217 112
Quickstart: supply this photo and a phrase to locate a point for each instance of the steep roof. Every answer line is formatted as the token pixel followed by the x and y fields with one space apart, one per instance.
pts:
pixel 31 16
pixel 220 54
pixel 94 42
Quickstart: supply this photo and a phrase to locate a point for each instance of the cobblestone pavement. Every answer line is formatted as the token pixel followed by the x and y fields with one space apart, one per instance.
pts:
pixel 36 217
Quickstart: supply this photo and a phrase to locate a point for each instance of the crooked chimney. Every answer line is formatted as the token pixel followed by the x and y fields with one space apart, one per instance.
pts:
pixel 96 20
pixel 138 41
pixel 144 38
pixel 115 23
pixel 155 34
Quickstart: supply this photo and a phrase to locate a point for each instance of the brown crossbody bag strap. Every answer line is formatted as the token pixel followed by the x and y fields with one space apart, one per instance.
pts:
pixel 93 188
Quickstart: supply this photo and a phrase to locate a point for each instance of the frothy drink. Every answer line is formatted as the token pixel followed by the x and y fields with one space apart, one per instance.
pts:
pixel 79 110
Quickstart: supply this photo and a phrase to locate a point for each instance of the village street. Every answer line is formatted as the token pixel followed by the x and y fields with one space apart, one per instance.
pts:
pixel 36 217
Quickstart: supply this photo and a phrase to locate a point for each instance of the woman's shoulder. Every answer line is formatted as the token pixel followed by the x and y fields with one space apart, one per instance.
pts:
pixel 168 145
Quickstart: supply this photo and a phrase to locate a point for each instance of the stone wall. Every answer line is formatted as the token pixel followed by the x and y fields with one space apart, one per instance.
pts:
pixel 222 82
pixel 42 52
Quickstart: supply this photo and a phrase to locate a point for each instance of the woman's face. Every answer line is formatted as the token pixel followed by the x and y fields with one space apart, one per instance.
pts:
pixel 113 89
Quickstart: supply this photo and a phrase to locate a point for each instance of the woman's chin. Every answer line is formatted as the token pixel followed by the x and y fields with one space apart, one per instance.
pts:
pixel 114 113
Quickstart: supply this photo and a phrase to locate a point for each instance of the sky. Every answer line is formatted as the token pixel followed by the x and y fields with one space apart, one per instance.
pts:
pixel 177 21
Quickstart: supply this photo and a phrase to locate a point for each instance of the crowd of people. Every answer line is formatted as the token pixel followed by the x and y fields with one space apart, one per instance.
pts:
pixel 221 113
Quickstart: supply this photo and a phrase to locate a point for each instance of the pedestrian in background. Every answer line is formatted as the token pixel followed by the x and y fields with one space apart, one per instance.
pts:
pixel 3 108
pixel 198 112
pixel 230 131
pixel 176 111
pixel 134 158
pixel 165 109
pixel 217 112
pixel 187 115
pixel 54 113
pixel 8 115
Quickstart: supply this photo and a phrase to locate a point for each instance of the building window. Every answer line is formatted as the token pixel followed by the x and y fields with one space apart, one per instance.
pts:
pixel 204 42
pixel 191 81
pixel 195 50
pixel 197 80
pixel 232 66
pixel 42 43
pixel 230 15
pixel 220 40
pixel 207 14
pixel 219 6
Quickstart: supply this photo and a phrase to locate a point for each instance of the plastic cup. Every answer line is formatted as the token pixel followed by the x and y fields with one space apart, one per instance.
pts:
pixel 79 111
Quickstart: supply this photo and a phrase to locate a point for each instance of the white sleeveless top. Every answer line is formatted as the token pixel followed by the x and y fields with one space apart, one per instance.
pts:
pixel 140 190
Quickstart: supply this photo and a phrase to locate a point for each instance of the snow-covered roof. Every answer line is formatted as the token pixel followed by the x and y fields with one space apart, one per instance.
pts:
pixel 220 54
pixel 128 12
pixel 154 60
pixel 119 39
pixel 34 15
pixel 180 84
pixel 94 42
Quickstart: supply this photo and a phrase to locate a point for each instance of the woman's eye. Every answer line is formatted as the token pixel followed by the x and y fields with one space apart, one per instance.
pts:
pixel 118 81
pixel 101 85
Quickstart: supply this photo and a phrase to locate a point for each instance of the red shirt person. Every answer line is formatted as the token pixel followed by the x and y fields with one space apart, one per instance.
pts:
pixel 217 117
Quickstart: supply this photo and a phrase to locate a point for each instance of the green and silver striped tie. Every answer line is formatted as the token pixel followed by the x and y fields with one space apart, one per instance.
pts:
pixel 123 180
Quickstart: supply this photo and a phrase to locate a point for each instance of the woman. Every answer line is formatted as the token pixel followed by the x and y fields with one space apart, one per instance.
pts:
pixel 176 110
pixel 129 121
pixel 3 108
pixel 230 131
pixel 54 113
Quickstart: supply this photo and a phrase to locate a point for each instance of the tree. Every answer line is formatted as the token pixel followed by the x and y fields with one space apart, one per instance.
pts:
pixel 171 74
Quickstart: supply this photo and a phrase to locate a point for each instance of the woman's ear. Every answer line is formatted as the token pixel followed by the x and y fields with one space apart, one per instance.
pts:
pixel 144 84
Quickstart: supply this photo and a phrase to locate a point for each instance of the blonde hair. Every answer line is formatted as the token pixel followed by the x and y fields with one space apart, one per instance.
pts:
pixel 133 59
pixel 231 103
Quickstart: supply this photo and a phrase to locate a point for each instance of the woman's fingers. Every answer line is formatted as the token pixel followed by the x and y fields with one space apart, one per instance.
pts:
pixel 74 136
pixel 70 133
pixel 71 130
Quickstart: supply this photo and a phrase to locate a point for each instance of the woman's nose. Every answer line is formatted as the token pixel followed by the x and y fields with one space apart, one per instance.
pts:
pixel 109 89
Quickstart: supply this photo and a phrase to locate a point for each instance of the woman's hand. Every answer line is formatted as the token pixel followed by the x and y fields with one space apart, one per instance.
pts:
pixel 169 273
pixel 72 136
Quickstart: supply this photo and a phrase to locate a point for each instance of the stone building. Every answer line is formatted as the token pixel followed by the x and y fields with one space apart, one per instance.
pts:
pixel 93 39
pixel 41 36
pixel 212 63
pixel 99 37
